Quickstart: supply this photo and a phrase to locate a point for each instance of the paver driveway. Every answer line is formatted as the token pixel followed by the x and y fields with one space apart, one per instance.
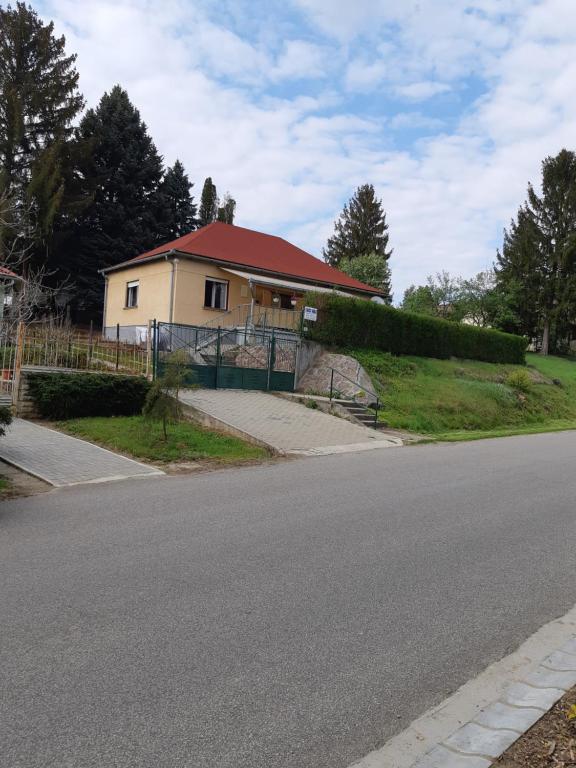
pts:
pixel 285 425
pixel 64 460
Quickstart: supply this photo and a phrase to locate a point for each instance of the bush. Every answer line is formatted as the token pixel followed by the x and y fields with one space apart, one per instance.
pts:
pixel 72 395
pixel 5 419
pixel 345 322
pixel 519 380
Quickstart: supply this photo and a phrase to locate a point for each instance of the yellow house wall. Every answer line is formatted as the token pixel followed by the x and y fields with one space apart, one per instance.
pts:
pixel 189 291
pixel 153 294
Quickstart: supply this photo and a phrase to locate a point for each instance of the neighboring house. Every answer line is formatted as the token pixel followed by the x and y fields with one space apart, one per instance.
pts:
pixel 9 285
pixel 216 270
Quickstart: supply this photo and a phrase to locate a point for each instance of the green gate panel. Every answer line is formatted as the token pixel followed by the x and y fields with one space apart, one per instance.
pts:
pixel 281 381
pixel 230 377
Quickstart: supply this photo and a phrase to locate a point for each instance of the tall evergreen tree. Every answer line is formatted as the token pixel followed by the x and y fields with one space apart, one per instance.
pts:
pixel 208 203
pixel 39 100
pixel 178 210
pixel 361 229
pixel 519 277
pixel 125 214
pixel 537 267
pixel 227 209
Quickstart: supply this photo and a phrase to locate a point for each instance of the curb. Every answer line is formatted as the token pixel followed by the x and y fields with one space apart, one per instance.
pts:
pixel 482 740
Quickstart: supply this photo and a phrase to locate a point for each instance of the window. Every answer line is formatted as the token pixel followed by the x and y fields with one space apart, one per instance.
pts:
pixel 132 294
pixel 216 294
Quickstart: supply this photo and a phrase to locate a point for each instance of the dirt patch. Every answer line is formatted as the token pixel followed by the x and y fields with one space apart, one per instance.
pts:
pixel 20 483
pixel 550 743
pixel 209 465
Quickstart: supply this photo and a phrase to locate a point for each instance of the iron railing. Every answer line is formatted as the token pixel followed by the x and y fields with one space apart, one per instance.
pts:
pixel 375 405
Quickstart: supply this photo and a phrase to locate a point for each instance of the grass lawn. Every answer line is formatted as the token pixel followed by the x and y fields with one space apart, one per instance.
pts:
pixel 465 399
pixel 144 440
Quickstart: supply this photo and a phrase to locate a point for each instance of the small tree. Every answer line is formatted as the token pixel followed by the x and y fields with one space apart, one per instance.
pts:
pixel 162 401
pixel 5 419
pixel 372 269
pixel 227 209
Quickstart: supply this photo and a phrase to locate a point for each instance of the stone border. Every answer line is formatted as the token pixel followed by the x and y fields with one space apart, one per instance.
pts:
pixel 509 676
pixel 482 740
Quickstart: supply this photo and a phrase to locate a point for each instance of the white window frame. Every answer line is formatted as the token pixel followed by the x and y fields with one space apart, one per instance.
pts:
pixel 215 281
pixel 132 291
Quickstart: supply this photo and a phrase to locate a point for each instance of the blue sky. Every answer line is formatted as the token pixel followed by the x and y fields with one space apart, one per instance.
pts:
pixel 446 106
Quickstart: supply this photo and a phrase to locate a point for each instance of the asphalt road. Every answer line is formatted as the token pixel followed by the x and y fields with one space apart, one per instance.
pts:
pixel 286 616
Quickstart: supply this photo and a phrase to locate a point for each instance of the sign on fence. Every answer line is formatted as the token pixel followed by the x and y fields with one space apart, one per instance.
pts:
pixel 310 313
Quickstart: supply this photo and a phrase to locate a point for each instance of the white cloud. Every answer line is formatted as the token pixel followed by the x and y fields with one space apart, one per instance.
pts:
pixel 422 90
pixel 292 162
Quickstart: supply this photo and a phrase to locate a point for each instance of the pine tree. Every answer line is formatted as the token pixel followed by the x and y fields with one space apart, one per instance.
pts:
pixel 39 100
pixel 536 270
pixel 177 208
pixel 124 217
pixel 519 276
pixel 361 229
pixel 554 213
pixel 227 209
pixel 208 204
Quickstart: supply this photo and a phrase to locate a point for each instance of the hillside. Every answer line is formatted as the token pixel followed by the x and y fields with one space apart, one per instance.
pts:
pixel 464 399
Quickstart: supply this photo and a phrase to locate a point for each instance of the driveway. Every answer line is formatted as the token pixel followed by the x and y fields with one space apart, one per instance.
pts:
pixel 61 459
pixel 293 615
pixel 286 426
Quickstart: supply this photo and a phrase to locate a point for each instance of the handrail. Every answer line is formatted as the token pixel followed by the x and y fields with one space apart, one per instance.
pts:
pixel 376 407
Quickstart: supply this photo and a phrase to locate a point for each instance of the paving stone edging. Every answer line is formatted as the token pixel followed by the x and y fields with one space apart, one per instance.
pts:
pixel 496 727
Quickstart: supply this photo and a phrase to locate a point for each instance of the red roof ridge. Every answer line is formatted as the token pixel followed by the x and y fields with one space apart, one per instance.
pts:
pixel 248 249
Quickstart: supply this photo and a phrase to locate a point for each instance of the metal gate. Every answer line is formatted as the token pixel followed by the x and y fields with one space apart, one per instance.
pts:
pixel 229 358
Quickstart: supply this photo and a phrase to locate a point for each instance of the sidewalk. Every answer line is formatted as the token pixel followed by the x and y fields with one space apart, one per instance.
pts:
pixel 64 460
pixel 285 426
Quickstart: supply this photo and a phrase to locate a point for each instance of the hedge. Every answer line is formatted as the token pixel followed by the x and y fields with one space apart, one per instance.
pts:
pixel 72 395
pixel 347 322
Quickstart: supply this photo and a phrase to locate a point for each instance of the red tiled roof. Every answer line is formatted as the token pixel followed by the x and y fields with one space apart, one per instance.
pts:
pixel 7 272
pixel 247 248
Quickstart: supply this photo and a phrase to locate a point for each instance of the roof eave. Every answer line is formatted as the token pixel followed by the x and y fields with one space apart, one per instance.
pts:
pixel 184 254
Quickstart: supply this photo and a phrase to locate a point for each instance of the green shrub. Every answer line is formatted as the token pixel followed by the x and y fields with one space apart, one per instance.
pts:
pixel 72 395
pixel 5 419
pixel 346 322
pixel 519 381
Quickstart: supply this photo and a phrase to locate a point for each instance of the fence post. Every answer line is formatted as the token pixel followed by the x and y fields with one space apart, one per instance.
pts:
pixel 155 349
pixel 90 344
pixel 218 348
pixel 117 345
pixel 331 383
pixel 271 357
pixel 148 349
pixel 18 363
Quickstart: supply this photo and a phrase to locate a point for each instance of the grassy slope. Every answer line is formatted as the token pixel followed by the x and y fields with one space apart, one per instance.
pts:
pixel 463 399
pixel 141 439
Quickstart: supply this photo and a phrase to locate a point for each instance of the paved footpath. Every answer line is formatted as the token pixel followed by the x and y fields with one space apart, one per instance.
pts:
pixel 284 425
pixel 64 460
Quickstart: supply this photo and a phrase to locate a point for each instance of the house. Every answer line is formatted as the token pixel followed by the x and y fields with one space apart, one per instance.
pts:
pixel 220 274
pixel 10 283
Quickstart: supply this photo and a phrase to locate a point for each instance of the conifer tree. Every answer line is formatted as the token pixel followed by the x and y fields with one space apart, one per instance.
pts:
pixel 125 216
pixel 361 229
pixel 177 208
pixel 536 270
pixel 208 203
pixel 39 101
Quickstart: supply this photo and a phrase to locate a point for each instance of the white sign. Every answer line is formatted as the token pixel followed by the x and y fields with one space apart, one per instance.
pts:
pixel 310 313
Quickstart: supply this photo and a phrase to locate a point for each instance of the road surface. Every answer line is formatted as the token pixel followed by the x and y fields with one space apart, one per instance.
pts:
pixel 294 615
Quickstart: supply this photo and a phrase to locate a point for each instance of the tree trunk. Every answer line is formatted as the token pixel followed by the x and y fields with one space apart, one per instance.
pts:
pixel 546 337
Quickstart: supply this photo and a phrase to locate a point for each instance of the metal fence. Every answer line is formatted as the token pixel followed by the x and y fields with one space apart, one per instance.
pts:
pixel 52 346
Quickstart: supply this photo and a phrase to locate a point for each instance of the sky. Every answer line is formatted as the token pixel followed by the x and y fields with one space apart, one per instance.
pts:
pixel 447 107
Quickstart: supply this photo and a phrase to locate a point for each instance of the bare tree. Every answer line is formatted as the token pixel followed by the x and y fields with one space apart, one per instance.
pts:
pixel 32 294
